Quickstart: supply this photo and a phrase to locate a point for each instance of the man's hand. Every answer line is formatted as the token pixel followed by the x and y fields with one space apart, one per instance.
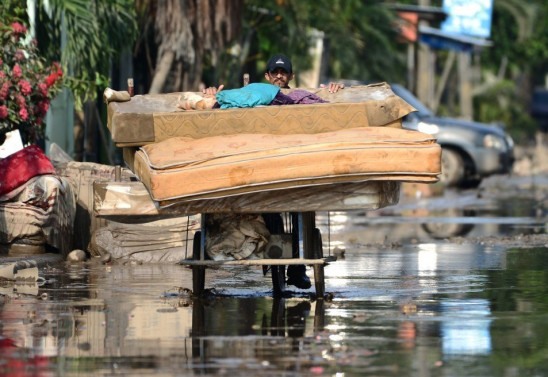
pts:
pixel 333 87
pixel 212 91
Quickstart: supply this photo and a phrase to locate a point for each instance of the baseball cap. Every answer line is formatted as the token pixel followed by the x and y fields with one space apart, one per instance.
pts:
pixel 279 61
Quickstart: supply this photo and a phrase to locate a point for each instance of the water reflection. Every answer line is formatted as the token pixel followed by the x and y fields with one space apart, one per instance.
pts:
pixel 465 330
pixel 275 332
pixel 435 214
pixel 424 309
pixel 341 229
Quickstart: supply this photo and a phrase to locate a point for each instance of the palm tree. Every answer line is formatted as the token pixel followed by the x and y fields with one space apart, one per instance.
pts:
pixel 86 35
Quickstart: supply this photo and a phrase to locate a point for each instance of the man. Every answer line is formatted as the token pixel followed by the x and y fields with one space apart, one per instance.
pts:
pixel 279 72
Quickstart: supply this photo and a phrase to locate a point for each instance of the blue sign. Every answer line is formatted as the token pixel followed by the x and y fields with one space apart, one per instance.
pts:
pixel 468 17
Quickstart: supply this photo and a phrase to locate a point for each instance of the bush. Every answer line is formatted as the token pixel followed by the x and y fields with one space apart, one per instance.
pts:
pixel 27 83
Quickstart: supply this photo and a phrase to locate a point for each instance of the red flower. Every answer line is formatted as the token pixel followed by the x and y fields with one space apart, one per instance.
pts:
pixel 51 79
pixel 25 86
pixel 16 72
pixel 27 82
pixel 19 55
pixel 18 28
pixel 43 89
pixel 24 114
pixel 20 100
pixel 43 106
pixel 57 66
pixel 4 90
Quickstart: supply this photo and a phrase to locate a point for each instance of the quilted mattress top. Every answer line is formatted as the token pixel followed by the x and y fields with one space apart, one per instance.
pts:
pixel 147 119
pixel 189 169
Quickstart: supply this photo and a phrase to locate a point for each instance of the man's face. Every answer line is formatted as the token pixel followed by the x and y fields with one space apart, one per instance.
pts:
pixel 279 77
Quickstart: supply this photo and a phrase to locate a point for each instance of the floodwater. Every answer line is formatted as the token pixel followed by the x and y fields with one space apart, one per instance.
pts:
pixel 403 300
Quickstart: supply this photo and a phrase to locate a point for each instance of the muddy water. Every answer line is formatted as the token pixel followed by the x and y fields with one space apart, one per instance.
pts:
pixel 402 301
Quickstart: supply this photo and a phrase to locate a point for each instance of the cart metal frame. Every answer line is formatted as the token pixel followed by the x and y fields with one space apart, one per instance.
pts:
pixel 310 254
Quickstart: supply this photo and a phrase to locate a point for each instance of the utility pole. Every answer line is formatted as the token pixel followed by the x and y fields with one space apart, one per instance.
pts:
pixel 465 85
pixel 425 68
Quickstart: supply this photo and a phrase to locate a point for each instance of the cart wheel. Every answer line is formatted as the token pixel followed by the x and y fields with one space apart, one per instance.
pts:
pixel 198 272
pixel 278 280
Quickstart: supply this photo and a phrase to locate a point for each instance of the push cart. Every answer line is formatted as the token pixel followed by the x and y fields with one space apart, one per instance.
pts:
pixel 130 199
pixel 348 153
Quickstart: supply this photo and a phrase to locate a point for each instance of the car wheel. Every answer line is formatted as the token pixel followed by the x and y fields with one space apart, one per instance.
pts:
pixel 452 168
pixel 443 230
pixel 471 183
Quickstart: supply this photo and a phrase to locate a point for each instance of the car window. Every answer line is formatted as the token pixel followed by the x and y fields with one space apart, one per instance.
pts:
pixel 408 97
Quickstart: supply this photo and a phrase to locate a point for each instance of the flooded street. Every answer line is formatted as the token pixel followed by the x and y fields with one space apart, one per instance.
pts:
pixel 443 284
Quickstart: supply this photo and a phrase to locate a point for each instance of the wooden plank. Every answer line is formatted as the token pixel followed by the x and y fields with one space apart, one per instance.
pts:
pixel 258 262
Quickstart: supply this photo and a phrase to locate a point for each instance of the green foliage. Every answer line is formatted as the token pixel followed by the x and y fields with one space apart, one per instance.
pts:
pixel 359 39
pixel 87 36
pixel 362 40
pixel 504 34
pixel 535 49
pixel 502 104
pixel 520 59
pixel 14 10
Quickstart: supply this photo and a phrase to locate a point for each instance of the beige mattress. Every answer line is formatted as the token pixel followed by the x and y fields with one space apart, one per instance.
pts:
pixel 149 119
pixel 122 200
pixel 182 169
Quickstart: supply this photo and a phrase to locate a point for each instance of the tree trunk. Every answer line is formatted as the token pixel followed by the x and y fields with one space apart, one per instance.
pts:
pixel 162 72
pixel 186 32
